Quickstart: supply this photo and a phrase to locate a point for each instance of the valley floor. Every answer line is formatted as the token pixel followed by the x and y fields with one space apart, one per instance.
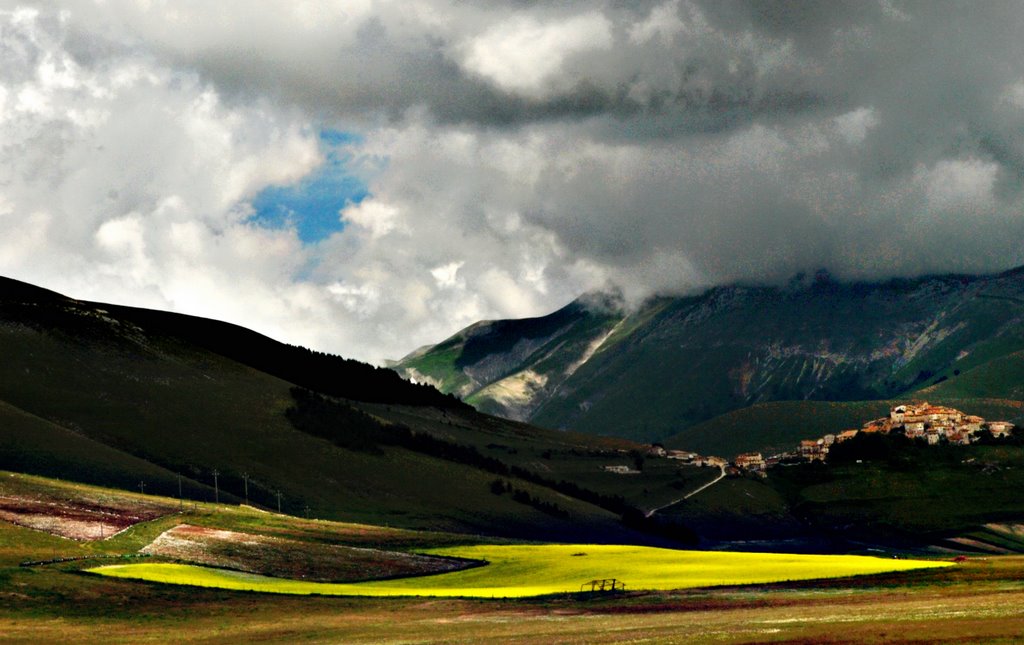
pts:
pixel 982 600
pixel 45 597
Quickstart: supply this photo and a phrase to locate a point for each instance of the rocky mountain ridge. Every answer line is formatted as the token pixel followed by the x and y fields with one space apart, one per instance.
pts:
pixel 674 362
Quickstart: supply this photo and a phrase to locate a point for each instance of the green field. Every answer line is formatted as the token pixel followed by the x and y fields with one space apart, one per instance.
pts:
pixel 46 597
pixel 516 571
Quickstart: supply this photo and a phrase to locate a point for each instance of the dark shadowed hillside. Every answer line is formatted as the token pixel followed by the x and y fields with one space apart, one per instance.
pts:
pixel 134 398
pixel 94 322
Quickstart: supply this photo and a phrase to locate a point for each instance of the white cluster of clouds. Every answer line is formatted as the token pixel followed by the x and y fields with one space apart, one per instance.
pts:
pixel 522 152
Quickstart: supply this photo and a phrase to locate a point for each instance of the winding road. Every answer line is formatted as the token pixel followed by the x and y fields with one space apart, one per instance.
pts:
pixel 714 481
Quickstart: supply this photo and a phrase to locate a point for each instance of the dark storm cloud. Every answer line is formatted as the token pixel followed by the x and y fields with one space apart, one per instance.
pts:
pixel 655 61
pixel 811 25
pixel 527 151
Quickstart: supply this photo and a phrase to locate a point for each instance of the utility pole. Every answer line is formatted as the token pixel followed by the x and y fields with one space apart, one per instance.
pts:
pixel 278 494
pixel 216 489
pixel 181 502
pixel 245 478
pixel 142 487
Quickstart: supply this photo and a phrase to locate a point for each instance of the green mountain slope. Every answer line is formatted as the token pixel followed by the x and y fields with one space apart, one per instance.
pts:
pixel 1002 376
pixel 119 396
pixel 35 445
pixel 501 366
pixel 673 363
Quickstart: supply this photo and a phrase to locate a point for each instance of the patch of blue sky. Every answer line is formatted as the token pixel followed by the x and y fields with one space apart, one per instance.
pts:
pixel 313 204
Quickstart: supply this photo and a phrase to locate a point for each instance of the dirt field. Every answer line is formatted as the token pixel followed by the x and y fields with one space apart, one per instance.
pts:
pixel 81 515
pixel 283 558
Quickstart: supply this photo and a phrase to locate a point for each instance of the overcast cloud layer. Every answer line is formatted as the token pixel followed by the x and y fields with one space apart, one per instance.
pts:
pixel 515 154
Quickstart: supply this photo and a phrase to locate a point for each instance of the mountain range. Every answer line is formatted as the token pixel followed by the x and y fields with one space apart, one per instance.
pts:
pixel 743 367
pixel 203 410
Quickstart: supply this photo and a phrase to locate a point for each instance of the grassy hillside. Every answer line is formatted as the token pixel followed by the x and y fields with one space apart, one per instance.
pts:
pixel 878 492
pixel 558 457
pixel 776 426
pixel 99 324
pixel 182 410
pixel 33 444
pixel 909 493
pixel 1000 377
pixel 128 398
pixel 748 514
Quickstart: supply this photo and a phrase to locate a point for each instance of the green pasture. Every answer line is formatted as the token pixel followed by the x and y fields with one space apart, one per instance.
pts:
pixel 534 570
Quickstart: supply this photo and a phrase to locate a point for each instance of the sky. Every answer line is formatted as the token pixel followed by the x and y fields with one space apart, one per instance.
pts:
pixel 369 176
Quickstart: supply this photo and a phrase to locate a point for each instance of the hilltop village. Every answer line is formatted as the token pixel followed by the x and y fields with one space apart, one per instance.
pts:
pixel 931 423
pixel 922 421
